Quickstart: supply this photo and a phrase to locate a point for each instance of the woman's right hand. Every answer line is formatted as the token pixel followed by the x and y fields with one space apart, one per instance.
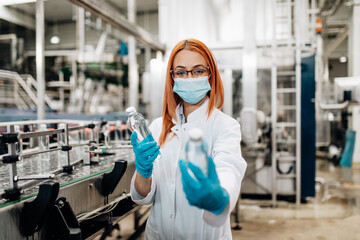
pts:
pixel 146 151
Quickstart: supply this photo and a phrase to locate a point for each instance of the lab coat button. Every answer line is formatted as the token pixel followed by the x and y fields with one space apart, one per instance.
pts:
pixel 171 216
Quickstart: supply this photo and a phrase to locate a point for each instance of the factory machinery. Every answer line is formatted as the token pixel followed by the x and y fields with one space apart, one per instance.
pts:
pixel 64 179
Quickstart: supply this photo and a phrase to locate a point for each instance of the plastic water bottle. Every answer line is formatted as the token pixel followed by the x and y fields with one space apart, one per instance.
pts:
pixel 19 144
pixel 136 122
pixel 196 150
pixel 44 143
pixel 62 155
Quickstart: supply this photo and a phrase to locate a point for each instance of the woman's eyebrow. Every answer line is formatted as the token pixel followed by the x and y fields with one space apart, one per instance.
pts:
pixel 198 65
pixel 179 67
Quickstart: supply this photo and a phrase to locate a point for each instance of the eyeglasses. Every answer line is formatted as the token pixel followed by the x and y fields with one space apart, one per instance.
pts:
pixel 199 71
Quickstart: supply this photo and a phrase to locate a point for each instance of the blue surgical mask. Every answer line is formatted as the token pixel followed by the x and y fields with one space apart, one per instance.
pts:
pixel 191 90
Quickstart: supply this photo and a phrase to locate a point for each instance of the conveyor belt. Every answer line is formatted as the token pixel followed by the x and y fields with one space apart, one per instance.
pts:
pixel 82 188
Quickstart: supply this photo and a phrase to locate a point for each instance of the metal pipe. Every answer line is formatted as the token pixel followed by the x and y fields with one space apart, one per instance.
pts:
pixel 117 20
pixel 133 68
pixel 117 147
pixel 298 127
pixel 31 183
pixel 12 151
pixel 147 59
pixel 80 37
pixel 34 177
pixel 61 91
pixel 354 41
pixel 35 152
pixel 339 106
pixel 273 104
pixel 40 59
pixel 47 121
pixel 101 209
pixel 92 135
pixel 340 37
pixel 73 83
pixel 39 133
pixel 249 80
pixel 313 19
pixel 39 152
pixel 332 10
pixel 80 33
pixel 67 143
pixel 298 106
pixel 79 144
pixel 71 129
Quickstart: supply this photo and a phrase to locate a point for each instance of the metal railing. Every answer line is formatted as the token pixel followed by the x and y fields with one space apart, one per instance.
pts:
pixel 25 90
pixel 90 143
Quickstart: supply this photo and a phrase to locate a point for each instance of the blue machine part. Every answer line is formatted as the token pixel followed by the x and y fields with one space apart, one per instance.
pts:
pixel 308 127
pixel 346 157
pixel 123 49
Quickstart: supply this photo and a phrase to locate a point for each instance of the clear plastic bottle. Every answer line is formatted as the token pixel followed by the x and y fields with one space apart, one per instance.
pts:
pixel 62 155
pixel 196 150
pixel 44 143
pixel 19 144
pixel 136 122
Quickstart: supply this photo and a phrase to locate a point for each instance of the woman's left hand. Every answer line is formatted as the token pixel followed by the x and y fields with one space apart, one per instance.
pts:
pixel 204 192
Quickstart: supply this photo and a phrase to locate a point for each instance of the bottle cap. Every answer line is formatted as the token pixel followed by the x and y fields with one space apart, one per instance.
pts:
pixel 130 110
pixel 195 134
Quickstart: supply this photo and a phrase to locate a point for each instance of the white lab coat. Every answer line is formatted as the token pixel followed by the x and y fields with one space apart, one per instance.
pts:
pixel 171 216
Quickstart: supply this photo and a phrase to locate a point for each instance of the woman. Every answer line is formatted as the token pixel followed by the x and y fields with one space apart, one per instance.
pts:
pixel 189 206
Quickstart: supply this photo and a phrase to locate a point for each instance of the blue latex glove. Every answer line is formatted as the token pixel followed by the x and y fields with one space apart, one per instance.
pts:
pixel 204 192
pixel 145 152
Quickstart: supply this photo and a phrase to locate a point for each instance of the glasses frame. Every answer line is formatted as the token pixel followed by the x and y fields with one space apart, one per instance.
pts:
pixel 187 72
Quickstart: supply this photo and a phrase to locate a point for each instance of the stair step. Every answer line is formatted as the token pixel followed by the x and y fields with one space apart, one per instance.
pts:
pixel 286 90
pixel 286 73
pixel 284 141
pixel 287 107
pixel 286 124
pixel 292 141
pixel 59 84
pixel 287 176
pixel 286 193
pixel 286 158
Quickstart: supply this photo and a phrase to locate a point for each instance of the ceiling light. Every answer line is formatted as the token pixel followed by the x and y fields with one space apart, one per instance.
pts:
pixel 343 59
pixel 55 39
pixel 14 2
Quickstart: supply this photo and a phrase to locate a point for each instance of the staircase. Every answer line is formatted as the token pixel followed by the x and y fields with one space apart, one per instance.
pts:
pixel 20 91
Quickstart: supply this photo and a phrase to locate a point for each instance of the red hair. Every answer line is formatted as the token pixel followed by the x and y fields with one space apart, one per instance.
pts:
pixel 171 99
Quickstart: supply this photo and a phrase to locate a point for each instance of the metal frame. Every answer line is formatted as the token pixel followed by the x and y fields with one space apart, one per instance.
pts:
pixel 110 15
pixel 297 124
pixel 40 58
pixel 13 46
pixel 94 141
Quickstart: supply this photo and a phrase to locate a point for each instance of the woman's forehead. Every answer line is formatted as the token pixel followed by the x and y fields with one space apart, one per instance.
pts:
pixel 187 58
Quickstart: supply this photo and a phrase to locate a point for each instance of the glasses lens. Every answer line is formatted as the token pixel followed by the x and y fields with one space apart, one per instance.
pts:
pixel 179 73
pixel 199 72
pixel 195 72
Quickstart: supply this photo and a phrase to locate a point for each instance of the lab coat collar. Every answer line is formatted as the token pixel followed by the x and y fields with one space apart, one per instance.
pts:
pixel 198 113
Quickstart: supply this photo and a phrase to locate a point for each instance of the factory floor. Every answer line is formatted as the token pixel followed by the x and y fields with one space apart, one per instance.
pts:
pixel 333 214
